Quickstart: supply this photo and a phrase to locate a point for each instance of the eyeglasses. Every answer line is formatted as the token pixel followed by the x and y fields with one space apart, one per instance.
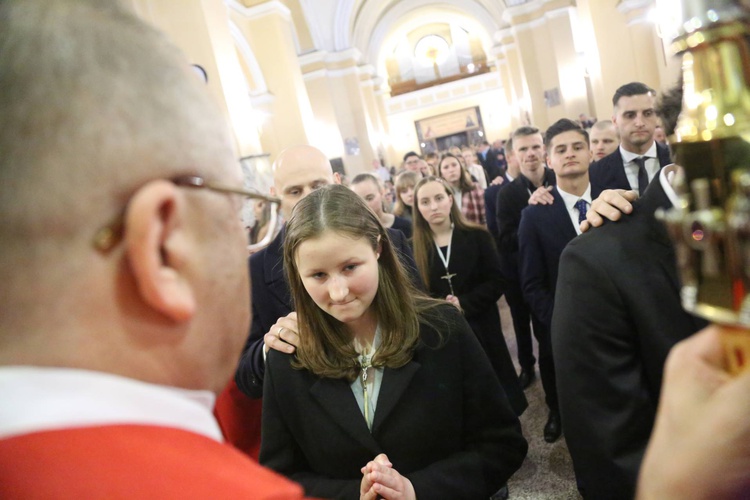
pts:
pixel 109 236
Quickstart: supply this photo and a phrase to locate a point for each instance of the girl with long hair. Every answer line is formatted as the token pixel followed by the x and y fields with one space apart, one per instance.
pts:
pixel 466 194
pixel 405 183
pixel 458 262
pixel 388 395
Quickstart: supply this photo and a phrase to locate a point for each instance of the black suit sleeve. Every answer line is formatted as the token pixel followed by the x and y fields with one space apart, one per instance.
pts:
pixel 490 283
pixel 251 368
pixel 605 405
pixel 406 256
pixel 534 274
pixel 507 215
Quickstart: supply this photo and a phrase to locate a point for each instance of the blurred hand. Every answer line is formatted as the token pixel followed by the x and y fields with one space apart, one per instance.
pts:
pixel 497 180
pixel 283 335
pixel 453 300
pixel 542 196
pixel 381 480
pixel 700 447
pixel 611 204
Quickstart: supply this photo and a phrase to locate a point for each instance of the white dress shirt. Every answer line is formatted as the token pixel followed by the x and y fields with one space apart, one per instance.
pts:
pixel 570 201
pixel 631 168
pixel 35 399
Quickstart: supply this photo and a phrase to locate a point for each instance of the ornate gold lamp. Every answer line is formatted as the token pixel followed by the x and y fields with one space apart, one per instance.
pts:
pixel 711 225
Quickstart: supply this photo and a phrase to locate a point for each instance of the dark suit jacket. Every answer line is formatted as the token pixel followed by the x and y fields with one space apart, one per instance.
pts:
pixel 490 164
pixel 442 420
pixel 479 284
pixel 271 301
pixel 544 232
pixel 510 202
pixel 490 205
pixel 609 172
pixel 617 315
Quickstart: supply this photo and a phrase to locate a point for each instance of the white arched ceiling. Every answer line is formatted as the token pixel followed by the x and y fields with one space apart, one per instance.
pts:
pixel 380 52
pixel 376 33
pixel 249 58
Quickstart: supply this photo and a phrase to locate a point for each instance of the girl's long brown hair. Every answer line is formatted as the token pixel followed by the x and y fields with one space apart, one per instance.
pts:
pixel 325 346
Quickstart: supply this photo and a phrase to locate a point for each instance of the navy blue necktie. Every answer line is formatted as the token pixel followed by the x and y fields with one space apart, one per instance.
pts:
pixel 581 205
pixel 642 174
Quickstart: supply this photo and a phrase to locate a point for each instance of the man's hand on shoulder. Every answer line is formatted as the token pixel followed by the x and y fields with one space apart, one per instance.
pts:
pixel 610 205
pixel 542 196
pixel 283 335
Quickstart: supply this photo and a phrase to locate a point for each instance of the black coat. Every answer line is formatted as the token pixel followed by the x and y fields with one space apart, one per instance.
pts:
pixel 442 420
pixel 479 284
pixel 617 315
pixel 510 203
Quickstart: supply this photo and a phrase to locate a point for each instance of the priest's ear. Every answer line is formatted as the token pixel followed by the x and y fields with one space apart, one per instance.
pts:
pixel 158 249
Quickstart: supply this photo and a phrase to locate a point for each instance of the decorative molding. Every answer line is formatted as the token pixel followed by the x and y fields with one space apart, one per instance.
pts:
pixel 261 10
pixel 312 25
pixel 341 39
pixel 625 6
pixel 458 89
pixel 249 58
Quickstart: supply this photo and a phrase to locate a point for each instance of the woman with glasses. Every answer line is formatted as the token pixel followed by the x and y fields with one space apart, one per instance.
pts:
pixel 389 394
pixel 458 262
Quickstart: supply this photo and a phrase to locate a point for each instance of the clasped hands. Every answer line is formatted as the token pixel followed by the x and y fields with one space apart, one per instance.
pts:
pixel 381 480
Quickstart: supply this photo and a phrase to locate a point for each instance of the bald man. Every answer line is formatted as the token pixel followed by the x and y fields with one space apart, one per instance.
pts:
pixel 297 172
pixel 605 139
pixel 124 286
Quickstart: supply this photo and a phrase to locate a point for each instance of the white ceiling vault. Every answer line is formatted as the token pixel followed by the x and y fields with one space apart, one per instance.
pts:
pixel 374 27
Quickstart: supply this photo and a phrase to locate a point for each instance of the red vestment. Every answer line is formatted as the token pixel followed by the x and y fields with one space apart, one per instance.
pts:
pixel 132 461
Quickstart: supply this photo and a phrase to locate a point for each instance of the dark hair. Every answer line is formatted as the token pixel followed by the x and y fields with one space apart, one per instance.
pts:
pixel 560 126
pixel 325 346
pixel 509 144
pixel 631 89
pixel 359 178
pixel 524 132
pixel 669 107
pixel 411 153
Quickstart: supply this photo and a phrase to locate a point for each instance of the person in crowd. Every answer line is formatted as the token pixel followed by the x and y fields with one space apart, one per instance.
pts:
pixel 490 194
pixel 379 170
pixel 660 136
pixel 368 187
pixel 585 121
pixel 488 158
pixel 604 139
pixel 468 196
pixel 412 162
pixel 543 233
pixel 700 446
pixel 297 172
pixel 432 160
pixel 458 262
pixel 389 394
pixel 617 315
pixel 262 213
pixel 116 157
pixel 534 178
pixel 405 183
pixel 476 170
pixel 638 159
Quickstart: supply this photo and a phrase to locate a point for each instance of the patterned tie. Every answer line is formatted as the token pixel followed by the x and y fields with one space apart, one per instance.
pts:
pixel 581 207
pixel 642 174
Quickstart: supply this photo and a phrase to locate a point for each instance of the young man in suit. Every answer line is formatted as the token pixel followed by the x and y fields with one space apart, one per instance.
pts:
pixel 638 159
pixel 296 173
pixel 124 286
pixel 528 147
pixel 617 315
pixel 546 229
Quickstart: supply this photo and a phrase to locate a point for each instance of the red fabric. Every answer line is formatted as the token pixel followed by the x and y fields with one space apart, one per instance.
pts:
pixel 239 419
pixel 131 461
pixel 472 205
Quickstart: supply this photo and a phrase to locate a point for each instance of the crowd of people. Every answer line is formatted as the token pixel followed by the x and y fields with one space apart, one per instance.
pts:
pixel 371 333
